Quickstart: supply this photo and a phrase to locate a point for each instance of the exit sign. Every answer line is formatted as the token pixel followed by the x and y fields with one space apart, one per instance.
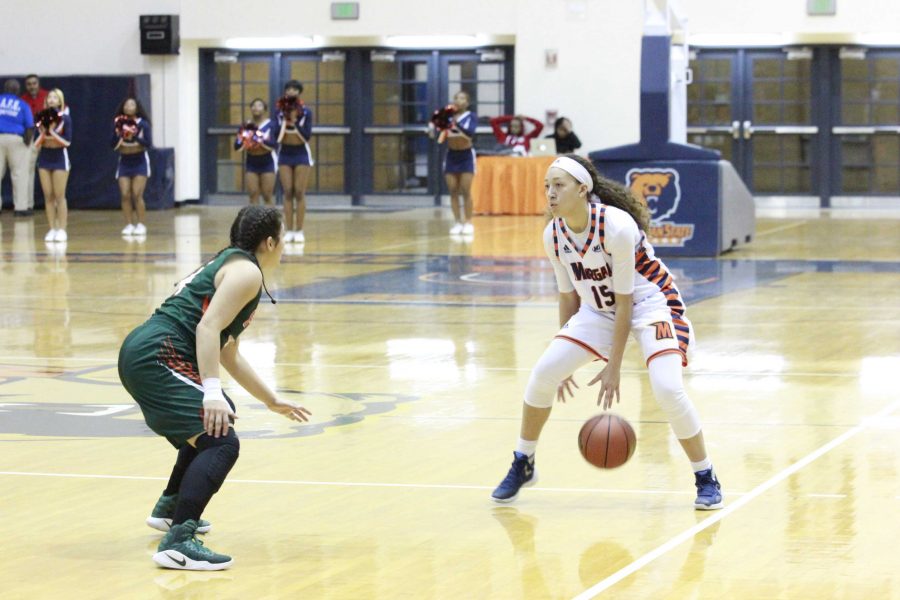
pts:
pixel 344 11
pixel 821 7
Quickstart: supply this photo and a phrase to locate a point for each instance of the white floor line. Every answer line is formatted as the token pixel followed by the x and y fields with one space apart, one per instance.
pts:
pixel 687 534
pixel 689 373
pixel 375 484
pixel 760 234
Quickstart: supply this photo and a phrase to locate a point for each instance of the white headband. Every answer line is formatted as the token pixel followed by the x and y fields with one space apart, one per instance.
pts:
pixel 575 170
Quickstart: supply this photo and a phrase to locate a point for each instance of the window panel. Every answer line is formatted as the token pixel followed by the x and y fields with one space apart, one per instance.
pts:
pixel 386 92
pixel 329 114
pixel 256 90
pixel 796 113
pixel 796 180
pixel 385 70
pixel 331 92
pixel 767 67
pixel 722 115
pixel 256 71
pixel 855 91
pixel 886 150
pixel 856 151
pixel 331 179
pixel 331 71
pixel 490 92
pixel 855 114
pixel 854 69
pixel 766 149
pixel 855 180
pixel 797 70
pixel 491 71
pixel 887 179
pixel 886 68
pixel 303 71
pixel 767 90
pixel 767 114
pixel 766 180
pixel 886 114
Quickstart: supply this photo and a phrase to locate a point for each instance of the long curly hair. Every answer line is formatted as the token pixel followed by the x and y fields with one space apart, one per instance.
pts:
pixel 615 194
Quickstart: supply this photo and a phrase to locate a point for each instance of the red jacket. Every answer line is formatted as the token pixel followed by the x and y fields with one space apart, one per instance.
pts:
pixel 522 141
pixel 36 104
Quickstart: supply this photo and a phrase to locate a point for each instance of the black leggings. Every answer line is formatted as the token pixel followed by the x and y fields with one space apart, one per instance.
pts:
pixel 203 473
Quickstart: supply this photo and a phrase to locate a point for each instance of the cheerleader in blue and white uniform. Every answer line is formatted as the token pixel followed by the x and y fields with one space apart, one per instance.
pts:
pixel 256 140
pixel 54 135
pixel 131 139
pixel 459 166
pixel 295 123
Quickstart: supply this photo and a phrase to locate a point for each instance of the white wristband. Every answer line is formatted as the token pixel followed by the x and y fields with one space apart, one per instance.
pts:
pixel 212 389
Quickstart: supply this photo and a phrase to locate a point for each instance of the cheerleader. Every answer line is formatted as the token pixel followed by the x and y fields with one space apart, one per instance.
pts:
pixel 131 139
pixel 294 157
pixel 459 166
pixel 255 140
pixel 54 135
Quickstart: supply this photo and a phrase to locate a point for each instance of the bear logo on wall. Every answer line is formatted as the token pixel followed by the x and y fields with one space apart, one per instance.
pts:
pixel 657 189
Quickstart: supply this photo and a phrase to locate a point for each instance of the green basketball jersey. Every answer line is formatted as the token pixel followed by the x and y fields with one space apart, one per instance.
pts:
pixel 194 293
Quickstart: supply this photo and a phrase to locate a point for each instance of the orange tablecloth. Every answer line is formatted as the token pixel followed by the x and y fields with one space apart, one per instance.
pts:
pixel 510 185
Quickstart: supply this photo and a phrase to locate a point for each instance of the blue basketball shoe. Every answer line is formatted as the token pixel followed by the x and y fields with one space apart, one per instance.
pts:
pixel 709 491
pixel 521 474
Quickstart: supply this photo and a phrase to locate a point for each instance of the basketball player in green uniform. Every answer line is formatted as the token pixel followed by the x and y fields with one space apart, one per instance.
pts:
pixel 170 366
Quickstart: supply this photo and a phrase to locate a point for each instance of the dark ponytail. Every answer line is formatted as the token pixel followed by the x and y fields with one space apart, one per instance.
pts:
pixel 615 194
pixel 253 225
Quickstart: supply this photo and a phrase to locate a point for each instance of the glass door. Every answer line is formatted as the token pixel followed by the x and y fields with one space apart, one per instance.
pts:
pixel 484 77
pixel 868 131
pixel 322 76
pixel 402 99
pixel 234 83
pixel 714 104
pixel 756 108
pixel 778 127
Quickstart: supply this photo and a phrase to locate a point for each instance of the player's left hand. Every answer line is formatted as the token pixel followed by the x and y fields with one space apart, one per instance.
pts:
pixel 292 411
pixel 609 386
pixel 565 387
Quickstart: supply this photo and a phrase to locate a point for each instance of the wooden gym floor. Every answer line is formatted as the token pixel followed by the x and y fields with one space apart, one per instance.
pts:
pixel 412 350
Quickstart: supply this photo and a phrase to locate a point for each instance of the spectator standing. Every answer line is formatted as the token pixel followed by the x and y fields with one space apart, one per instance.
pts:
pixel 16 131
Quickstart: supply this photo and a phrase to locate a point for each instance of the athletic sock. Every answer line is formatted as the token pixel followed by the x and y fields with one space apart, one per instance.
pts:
pixel 701 465
pixel 526 447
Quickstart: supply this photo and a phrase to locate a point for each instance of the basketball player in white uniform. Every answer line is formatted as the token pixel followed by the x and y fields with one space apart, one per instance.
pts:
pixel 610 284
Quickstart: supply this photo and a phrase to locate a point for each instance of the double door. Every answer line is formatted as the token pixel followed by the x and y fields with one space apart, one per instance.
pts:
pixel 405 89
pixel 758 109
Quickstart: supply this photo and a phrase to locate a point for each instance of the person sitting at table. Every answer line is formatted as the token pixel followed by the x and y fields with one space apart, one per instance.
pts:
pixel 566 140
pixel 511 131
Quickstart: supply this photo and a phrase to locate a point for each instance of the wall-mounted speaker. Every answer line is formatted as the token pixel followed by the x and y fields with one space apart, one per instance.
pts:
pixel 159 34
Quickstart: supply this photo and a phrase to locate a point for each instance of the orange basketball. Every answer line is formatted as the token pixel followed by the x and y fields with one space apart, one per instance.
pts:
pixel 607 441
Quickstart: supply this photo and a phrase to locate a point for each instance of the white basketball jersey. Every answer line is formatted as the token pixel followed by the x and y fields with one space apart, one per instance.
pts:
pixel 614 258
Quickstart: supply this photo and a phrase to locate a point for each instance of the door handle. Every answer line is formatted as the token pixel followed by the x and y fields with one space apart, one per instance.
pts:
pixel 736 130
pixel 748 130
